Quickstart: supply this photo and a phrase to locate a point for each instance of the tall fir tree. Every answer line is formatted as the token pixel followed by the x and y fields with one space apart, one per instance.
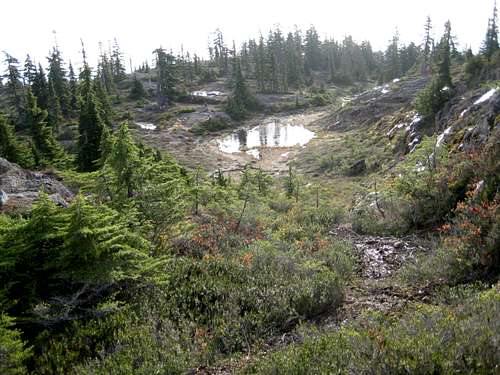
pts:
pixel 40 88
pixel 490 45
pixel 14 83
pixel 11 148
pixel 54 109
pixel 57 75
pixel 124 161
pixel 392 58
pixel 117 66
pixel 241 101
pixel 90 125
pixel 445 57
pixel 165 85
pixel 427 46
pixel 29 71
pixel 44 141
pixel 73 90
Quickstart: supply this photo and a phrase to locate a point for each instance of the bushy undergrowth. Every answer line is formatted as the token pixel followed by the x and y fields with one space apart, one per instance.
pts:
pixel 213 124
pixel 425 340
pixel 454 195
pixel 182 289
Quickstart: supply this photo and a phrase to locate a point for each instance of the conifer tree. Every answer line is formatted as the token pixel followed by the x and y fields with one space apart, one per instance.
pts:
pixel 312 51
pixel 14 83
pixel 29 71
pixel 490 44
pixel 90 125
pixel 104 103
pixel 241 100
pixel 427 45
pixel 46 145
pixel 10 147
pixel 57 75
pixel 105 74
pixel 165 85
pixel 40 88
pixel 118 69
pixel 124 160
pixel 73 90
pixel 445 57
pixel 393 59
pixel 137 91
pixel 54 110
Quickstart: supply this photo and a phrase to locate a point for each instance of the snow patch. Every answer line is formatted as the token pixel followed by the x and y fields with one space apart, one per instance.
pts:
pixel 486 96
pixel 440 138
pixel 396 80
pixel 146 125
pixel 419 167
pixel 413 144
pixel 254 152
pixel 205 94
pixel 464 112
pixel 397 127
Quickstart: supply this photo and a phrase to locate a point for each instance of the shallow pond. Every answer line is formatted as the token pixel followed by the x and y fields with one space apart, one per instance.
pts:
pixel 272 134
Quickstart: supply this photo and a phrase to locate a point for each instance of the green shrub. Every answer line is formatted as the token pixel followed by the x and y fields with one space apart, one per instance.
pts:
pixel 425 340
pixel 213 124
pixel 13 352
pixel 432 99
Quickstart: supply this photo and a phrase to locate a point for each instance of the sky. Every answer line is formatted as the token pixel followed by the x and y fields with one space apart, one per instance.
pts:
pixel 141 26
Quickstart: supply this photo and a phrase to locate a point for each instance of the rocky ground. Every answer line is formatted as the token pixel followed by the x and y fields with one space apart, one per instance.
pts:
pixel 19 188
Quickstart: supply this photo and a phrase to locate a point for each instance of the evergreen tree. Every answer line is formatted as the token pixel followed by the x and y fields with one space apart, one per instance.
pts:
pixel 137 91
pixel 105 74
pixel 46 145
pixel 104 103
pixel 54 110
pixel 312 51
pixel 29 71
pixel 57 75
pixel 117 66
pixel 445 57
pixel 90 125
pixel 241 100
pixel 490 44
pixel 427 46
pixel 124 161
pixel 73 90
pixel 14 83
pixel 165 85
pixel 10 148
pixel 40 88
pixel 409 56
pixel 392 59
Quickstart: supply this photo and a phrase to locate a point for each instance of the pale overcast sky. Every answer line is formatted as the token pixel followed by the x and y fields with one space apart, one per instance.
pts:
pixel 26 26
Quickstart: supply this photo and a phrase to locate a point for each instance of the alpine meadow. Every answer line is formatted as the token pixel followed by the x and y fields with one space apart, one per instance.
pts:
pixel 290 203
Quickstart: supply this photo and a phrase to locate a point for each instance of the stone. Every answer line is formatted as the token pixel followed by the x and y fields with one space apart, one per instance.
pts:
pixel 357 168
pixel 20 188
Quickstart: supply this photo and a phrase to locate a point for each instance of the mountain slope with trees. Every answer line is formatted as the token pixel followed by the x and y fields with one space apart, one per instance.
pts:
pixel 117 258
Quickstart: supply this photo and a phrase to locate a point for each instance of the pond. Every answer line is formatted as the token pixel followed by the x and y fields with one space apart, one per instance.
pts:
pixel 273 134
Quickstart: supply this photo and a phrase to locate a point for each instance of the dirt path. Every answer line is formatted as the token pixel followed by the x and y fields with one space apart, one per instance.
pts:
pixel 374 286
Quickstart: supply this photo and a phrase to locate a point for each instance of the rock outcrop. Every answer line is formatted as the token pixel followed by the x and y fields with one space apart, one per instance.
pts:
pixel 19 188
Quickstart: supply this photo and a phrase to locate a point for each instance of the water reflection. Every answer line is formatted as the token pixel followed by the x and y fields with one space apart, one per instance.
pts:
pixel 269 135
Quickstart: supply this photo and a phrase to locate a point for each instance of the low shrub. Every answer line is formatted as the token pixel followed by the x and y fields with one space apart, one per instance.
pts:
pixel 213 124
pixel 425 340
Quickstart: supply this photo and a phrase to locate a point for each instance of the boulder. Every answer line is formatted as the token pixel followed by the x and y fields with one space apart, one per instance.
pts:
pixel 19 188
pixel 357 168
